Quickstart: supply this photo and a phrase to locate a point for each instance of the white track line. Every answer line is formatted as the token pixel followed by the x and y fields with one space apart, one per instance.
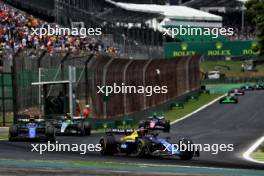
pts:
pixel 198 110
pixel 247 154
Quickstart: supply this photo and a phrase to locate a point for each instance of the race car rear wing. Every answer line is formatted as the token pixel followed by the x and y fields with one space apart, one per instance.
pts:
pixel 119 131
pixel 28 120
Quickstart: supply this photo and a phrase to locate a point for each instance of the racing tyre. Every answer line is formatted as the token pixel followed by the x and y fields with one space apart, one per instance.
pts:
pixel 235 101
pixel 87 128
pixel 81 129
pixel 167 126
pixel 13 132
pixel 50 133
pixel 186 155
pixel 108 145
pixel 221 101
pixel 143 148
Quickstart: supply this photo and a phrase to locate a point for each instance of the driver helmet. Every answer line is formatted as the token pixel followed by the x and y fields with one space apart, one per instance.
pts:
pixel 143 131
pixel 68 116
pixel 31 118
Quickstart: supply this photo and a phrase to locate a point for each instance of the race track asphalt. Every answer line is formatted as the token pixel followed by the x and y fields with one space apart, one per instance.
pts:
pixel 239 124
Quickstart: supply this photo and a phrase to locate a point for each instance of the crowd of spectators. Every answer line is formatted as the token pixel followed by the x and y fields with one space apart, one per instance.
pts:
pixel 234 20
pixel 16 33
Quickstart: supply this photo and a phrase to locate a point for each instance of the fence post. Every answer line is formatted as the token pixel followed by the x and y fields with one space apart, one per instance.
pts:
pixel 3 98
pixel 14 84
pixel 86 78
pixel 62 65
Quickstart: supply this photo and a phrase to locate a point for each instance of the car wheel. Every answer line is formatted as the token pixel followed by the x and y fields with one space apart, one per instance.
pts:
pixel 108 145
pixel 13 132
pixel 80 128
pixel 87 128
pixel 50 133
pixel 167 126
pixel 186 155
pixel 143 148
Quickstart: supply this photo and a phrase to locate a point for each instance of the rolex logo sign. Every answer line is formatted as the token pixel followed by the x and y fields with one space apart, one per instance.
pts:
pixel 184 46
pixel 219 45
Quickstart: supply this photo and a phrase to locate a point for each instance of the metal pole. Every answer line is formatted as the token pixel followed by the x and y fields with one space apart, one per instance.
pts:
pixel 39 92
pixel 62 65
pixel 14 85
pixel 87 79
pixel 70 91
pixel 3 98
pixel 243 17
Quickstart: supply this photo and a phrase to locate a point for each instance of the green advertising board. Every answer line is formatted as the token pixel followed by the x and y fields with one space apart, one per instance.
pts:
pixel 212 48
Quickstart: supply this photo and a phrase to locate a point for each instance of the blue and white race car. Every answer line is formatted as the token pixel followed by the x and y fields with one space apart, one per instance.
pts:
pixel 141 143
pixel 32 129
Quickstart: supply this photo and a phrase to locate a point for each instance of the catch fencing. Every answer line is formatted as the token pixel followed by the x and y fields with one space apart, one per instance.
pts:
pixel 180 75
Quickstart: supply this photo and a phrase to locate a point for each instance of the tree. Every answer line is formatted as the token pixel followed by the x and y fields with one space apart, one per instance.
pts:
pixel 255 11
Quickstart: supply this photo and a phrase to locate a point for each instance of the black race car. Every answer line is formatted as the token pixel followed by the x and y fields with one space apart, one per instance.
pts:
pixel 247 87
pixel 32 129
pixel 67 125
pixel 259 87
pixel 155 123
pixel 141 143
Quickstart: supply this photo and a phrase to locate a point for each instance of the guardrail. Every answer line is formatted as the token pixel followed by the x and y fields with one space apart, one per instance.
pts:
pixel 234 80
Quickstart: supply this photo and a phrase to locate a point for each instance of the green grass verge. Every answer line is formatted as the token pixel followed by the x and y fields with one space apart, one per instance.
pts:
pixel 8 119
pixel 3 136
pixel 235 68
pixel 258 156
pixel 190 106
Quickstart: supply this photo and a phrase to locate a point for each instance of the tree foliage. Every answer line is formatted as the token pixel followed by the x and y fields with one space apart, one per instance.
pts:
pixel 255 11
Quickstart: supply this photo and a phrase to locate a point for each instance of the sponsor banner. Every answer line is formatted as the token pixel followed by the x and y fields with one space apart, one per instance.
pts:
pixel 214 48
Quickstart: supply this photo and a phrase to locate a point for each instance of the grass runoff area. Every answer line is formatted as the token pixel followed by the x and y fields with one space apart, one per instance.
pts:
pixel 258 154
pixel 190 106
pixel 234 68
pixel 3 135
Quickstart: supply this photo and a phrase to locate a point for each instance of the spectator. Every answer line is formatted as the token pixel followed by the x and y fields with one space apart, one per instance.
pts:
pixel 86 111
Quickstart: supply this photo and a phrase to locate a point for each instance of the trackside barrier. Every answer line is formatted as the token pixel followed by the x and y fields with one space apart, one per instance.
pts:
pixel 234 80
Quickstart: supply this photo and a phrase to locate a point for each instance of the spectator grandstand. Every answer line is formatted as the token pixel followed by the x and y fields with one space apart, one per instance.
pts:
pixel 16 33
pixel 134 29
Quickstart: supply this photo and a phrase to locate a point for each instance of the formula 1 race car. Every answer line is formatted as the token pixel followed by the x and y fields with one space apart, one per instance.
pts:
pixel 141 144
pixel 67 125
pixel 228 100
pixel 247 87
pixel 259 87
pixel 156 123
pixel 32 129
pixel 236 92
